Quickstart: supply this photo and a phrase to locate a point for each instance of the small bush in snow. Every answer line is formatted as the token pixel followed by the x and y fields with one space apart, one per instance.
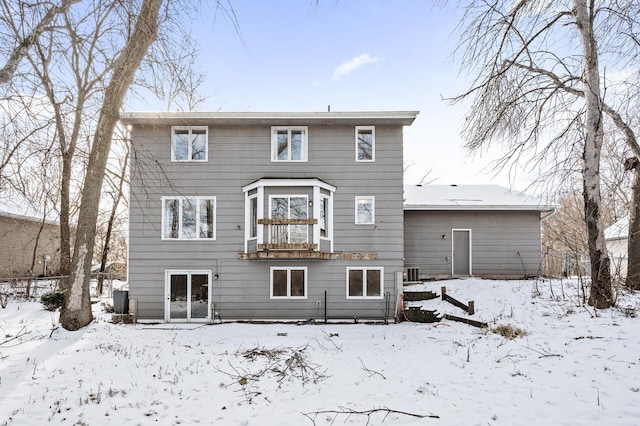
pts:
pixel 509 331
pixel 52 301
pixel 107 307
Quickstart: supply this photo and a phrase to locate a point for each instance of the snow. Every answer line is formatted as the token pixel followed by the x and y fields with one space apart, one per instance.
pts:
pixel 469 197
pixel 574 366
pixel 15 205
pixel 619 230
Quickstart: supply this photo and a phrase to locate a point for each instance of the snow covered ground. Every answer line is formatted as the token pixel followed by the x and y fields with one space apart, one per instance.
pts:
pixel 573 366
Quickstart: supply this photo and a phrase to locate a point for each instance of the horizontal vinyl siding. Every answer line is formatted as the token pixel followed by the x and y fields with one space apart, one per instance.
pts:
pixel 496 239
pixel 17 242
pixel 237 157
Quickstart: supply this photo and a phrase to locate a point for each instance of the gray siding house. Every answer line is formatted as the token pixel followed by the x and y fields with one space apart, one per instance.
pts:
pixel 28 246
pixel 463 230
pixel 266 215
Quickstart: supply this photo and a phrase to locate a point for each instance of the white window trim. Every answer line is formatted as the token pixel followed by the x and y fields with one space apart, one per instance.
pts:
pixel 364 282
pixel 373 209
pixel 248 216
pixel 304 148
pixel 289 197
pixel 373 143
pixel 329 224
pixel 196 199
pixel 260 185
pixel 189 272
pixel 189 152
pixel 289 269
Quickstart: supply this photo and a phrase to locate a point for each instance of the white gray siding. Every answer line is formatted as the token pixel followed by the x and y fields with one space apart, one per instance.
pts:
pixel 238 156
pixel 503 244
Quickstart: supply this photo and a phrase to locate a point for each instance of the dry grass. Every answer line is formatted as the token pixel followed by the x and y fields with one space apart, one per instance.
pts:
pixel 509 331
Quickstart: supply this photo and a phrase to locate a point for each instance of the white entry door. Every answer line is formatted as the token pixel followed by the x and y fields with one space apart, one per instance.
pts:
pixel 188 296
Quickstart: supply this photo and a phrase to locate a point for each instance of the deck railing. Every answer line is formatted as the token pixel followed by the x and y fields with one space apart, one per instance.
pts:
pixel 288 234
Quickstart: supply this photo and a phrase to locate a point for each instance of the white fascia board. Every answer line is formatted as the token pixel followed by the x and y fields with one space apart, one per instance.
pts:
pixel 289 182
pixel 273 118
pixel 541 208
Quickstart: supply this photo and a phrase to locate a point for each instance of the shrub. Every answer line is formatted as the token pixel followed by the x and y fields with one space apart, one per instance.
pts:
pixel 509 331
pixel 52 301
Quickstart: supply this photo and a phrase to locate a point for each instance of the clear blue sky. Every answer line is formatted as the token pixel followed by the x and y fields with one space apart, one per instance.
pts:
pixel 303 55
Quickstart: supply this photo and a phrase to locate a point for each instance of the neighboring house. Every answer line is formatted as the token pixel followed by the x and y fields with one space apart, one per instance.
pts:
pixel 266 215
pixel 617 239
pixel 28 246
pixel 462 230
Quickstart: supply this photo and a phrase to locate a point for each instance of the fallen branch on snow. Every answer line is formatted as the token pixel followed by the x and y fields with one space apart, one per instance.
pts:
pixel 371 372
pixel 18 335
pixel 348 412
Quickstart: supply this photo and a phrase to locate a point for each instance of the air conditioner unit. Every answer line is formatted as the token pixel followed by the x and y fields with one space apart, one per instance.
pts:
pixel 413 274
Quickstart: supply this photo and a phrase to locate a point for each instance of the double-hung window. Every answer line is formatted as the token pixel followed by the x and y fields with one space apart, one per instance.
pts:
pixel 189 218
pixel 365 283
pixel 289 144
pixel 288 282
pixel 365 143
pixel 365 213
pixel 189 143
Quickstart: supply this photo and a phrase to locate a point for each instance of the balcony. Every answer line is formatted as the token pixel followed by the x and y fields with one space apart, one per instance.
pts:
pixel 287 234
pixel 288 239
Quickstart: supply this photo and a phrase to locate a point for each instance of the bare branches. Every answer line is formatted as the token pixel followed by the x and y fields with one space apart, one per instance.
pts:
pixel 25 43
pixel 349 412
pixel 371 372
pixel 18 336
pixel 281 364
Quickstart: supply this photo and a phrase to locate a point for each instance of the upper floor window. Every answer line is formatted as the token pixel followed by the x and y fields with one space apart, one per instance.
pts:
pixel 253 217
pixel 365 143
pixel 289 144
pixel 289 208
pixel 189 143
pixel 365 214
pixel 323 220
pixel 189 218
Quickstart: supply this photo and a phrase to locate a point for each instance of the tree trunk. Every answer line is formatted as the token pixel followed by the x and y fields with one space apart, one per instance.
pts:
pixel 65 218
pixel 601 293
pixel 633 245
pixel 76 309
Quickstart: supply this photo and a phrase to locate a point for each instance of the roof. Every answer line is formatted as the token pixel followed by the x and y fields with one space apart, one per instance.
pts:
pixel 470 198
pixel 16 206
pixel 404 118
pixel 617 231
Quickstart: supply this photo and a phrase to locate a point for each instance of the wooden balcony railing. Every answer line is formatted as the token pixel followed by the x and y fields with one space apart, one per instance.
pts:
pixel 288 234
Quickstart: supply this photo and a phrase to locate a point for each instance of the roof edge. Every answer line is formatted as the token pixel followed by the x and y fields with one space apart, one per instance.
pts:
pixel 180 117
pixel 540 208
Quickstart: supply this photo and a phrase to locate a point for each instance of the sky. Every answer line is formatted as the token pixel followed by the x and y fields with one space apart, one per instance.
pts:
pixel 351 55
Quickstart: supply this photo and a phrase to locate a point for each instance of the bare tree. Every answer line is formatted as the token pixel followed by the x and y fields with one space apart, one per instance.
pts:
pixel 21 43
pixel 537 91
pixel 76 309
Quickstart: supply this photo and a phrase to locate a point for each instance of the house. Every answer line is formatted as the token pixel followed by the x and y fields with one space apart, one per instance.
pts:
pixel 462 230
pixel 249 215
pixel 28 246
pixel 617 240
